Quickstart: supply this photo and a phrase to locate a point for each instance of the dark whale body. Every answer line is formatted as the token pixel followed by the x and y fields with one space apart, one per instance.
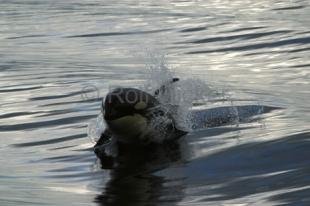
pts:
pixel 136 119
pixel 137 122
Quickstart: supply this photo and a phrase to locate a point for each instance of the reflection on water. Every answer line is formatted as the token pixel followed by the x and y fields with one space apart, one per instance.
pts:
pixel 275 169
pixel 256 52
pixel 133 182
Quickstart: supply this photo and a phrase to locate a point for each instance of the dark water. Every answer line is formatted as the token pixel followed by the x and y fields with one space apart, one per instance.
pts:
pixel 53 53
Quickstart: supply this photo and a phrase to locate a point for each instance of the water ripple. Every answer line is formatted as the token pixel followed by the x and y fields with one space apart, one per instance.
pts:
pixel 46 124
pixel 50 141
pixel 300 41
pixel 240 36
pixel 28 36
pixel 20 89
pixel 289 8
pixel 117 33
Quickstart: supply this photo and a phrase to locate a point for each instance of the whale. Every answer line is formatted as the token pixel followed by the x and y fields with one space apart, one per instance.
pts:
pixel 135 118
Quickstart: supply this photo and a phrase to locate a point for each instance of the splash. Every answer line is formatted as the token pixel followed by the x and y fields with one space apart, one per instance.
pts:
pixel 96 128
pixel 180 95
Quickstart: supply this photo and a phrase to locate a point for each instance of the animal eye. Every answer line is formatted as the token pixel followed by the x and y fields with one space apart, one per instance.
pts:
pixel 140 105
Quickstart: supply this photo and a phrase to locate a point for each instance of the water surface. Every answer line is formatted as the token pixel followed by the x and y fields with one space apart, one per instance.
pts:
pixel 53 53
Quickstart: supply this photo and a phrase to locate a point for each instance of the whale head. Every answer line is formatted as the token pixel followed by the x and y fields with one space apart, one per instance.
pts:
pixel 125 112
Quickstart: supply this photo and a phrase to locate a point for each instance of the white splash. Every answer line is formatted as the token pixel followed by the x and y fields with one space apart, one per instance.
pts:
pixel 95 128
pixel 181 94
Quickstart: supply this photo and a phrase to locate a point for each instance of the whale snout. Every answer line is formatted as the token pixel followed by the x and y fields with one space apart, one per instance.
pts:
pixel 127 101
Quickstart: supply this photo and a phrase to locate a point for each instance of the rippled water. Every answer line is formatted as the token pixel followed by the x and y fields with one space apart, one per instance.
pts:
pixel 54 53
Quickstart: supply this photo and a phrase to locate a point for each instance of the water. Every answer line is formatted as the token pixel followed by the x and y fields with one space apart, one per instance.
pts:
pixel 58 59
